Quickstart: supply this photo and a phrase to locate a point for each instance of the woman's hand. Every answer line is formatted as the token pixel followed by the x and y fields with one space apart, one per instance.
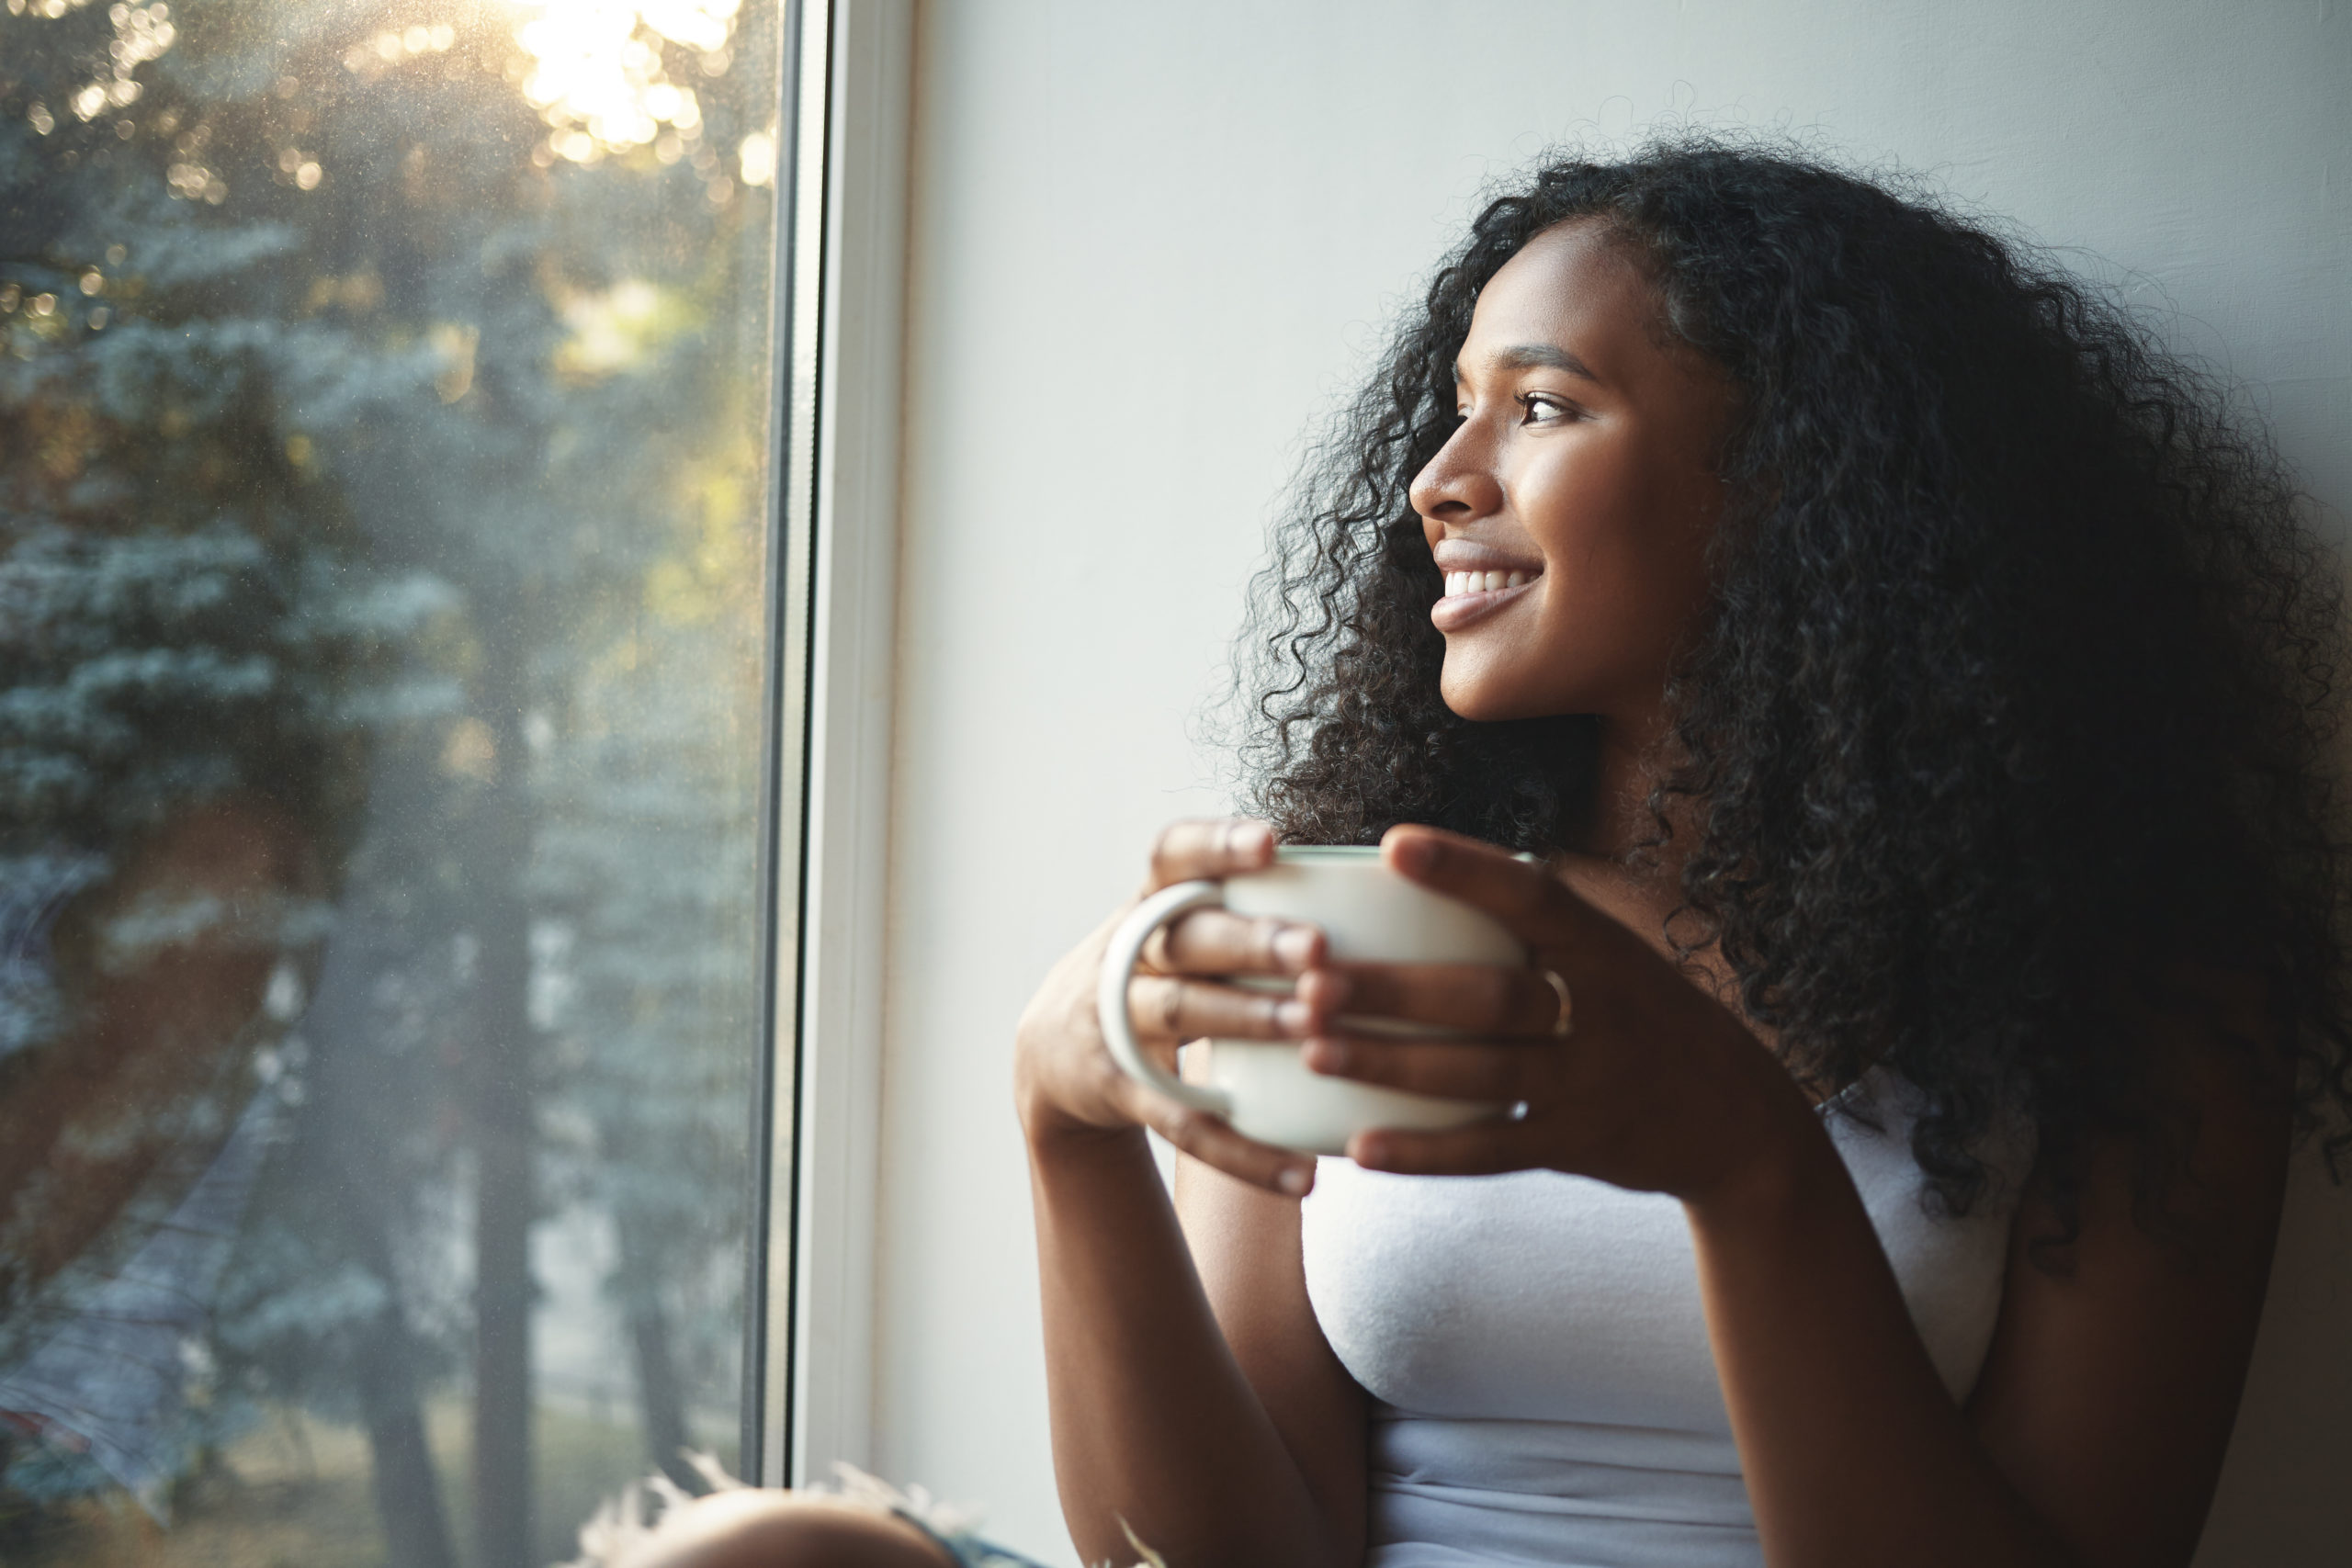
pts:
pixel 1656 1086
pixel 1065 1082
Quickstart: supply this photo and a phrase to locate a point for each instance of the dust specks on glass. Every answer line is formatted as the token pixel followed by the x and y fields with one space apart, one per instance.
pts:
pixel 384 391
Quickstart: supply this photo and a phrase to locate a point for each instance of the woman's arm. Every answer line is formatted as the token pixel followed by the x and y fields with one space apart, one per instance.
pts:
pixel 1244 1242
pixel 1211 1452
pixel 1852 1450
pixel 1225 1433
pixel 2098 1429
pixel 2113 1382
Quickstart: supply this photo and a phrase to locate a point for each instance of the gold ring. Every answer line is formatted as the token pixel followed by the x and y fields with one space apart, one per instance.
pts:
pixel 1565 1024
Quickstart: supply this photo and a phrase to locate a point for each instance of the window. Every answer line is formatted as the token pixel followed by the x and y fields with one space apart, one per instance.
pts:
pixel 406 489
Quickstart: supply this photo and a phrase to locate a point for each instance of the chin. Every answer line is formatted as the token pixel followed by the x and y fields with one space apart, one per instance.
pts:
pixel 1486 700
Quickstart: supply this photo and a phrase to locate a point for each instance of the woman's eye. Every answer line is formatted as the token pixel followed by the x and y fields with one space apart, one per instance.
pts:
pixel 1540 409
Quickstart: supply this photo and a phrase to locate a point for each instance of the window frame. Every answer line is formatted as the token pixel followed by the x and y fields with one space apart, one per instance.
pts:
pixel 838 312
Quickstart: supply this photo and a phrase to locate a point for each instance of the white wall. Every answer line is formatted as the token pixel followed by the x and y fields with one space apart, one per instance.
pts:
pixel 1152 240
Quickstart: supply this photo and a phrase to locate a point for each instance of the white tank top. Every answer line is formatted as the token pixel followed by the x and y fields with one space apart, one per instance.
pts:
pixel 1542 1390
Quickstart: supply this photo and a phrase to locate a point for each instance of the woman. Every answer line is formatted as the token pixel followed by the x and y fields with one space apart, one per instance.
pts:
pixel 1920 696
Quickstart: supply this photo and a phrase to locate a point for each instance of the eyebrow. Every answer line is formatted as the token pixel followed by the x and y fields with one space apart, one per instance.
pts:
pixel 1536 356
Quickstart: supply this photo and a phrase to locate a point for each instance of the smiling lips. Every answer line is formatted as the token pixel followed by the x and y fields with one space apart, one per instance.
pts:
pixel 1471 596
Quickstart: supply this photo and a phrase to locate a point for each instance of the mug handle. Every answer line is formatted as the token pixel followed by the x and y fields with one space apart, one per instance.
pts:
pixel 1111 996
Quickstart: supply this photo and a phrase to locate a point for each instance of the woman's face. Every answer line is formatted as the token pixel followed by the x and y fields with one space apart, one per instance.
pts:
pixel 1581 473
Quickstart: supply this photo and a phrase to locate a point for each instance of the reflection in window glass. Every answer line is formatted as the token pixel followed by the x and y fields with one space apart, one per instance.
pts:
pixel 384 390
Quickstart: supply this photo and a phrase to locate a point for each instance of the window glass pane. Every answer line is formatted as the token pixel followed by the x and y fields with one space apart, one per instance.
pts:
pixel 384 409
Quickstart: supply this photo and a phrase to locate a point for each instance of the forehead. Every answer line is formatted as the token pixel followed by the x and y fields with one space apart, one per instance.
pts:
pixel 1574 286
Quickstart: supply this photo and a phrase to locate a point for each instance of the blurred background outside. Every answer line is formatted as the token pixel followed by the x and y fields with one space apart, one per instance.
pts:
pixel 384 411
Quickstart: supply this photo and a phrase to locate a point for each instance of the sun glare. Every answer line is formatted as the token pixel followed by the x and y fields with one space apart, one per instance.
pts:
pixel 598 74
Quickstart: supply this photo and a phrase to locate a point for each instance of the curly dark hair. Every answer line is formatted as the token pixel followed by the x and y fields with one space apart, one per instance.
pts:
pixel 2013 714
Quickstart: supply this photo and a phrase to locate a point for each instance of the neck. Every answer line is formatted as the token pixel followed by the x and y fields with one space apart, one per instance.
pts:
pixel 1638 891
pixel 1618 818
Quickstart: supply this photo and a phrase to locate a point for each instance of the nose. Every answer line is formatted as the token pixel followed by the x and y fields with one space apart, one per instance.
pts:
pixel 1458 485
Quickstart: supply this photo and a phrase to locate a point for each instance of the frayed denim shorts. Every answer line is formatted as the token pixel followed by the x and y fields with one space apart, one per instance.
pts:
pixel 620 1530
pixel 945 1527
pixel 963 1548
pixel 941 1526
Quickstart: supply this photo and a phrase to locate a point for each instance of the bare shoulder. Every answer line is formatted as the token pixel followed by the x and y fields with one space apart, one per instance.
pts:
pixel 2114 1377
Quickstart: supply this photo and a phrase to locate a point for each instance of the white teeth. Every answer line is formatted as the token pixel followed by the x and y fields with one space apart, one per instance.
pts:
pixel 1461 582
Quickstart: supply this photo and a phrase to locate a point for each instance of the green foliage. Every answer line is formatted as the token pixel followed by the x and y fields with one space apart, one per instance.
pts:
pixel 358 454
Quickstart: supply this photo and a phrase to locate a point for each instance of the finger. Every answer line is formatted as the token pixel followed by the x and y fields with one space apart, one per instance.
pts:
pixel 1455 1069
pixel 1209 848
pixel 1211 941
pixel 1524 895
pixel 1482 1148
pixel 1161 1008
pixel 1476 998
pixel 1208 1139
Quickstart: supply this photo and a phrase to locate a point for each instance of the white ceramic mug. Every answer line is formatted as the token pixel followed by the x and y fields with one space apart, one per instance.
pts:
pixel 1368 915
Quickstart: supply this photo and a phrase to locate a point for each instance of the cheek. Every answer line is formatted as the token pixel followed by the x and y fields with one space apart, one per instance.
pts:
pixel 1627 528
pixel 1614 555
pixel 1624 583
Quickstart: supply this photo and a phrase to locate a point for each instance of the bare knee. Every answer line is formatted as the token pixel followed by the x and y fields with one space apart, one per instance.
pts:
pixel 782 1529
